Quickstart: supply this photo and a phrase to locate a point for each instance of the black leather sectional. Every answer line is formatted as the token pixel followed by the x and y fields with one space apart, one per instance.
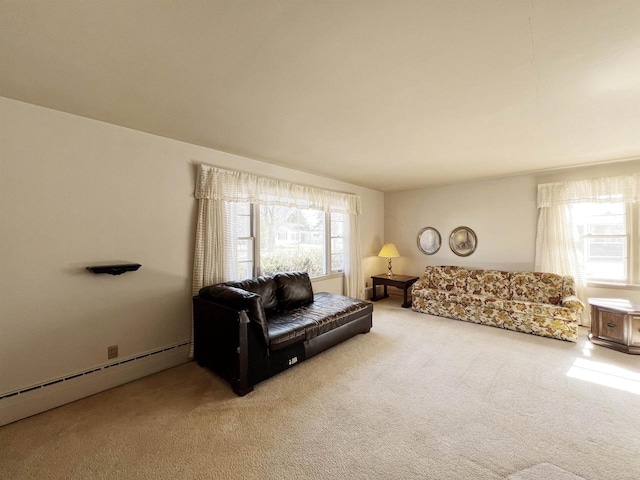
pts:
pixel 250 330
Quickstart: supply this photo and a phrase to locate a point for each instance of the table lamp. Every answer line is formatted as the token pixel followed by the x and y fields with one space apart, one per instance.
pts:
pixel 389 251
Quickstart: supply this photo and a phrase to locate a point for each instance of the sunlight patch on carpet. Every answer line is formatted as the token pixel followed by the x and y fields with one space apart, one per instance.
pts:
pixel 606 375
pixel 544 471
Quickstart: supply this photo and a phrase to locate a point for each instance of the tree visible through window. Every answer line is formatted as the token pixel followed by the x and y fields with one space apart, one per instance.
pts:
pixel 291 239
pixel 277 238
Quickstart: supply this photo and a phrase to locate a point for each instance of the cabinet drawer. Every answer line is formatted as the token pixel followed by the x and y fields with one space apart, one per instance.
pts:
pixel 635 331
pixel 612 327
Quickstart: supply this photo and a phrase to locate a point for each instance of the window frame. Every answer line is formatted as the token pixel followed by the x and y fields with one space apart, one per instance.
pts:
pixel 632 236
pixel 254 214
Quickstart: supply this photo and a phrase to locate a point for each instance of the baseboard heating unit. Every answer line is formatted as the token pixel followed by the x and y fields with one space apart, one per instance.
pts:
pixel 24 402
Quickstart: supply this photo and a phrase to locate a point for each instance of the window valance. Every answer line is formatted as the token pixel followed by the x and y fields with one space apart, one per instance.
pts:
pixel 234 186
pixel 623 188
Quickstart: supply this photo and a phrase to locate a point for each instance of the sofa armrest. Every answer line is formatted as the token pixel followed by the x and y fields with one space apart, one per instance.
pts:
pixel 225 342
pixel 572 302
pixel 420 284
pixel 239 299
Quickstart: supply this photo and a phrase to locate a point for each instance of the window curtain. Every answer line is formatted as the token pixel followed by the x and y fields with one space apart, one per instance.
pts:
pixel 557 239
pixel 216 243
pixel 353 277
pixel 218 191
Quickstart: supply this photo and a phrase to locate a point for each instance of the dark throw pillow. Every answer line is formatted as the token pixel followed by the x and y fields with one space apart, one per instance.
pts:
pixel 264 286
pixel 294 289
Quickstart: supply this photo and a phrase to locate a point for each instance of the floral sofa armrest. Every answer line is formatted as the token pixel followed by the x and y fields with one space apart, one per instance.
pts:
pixel 420 284
pixel 573 302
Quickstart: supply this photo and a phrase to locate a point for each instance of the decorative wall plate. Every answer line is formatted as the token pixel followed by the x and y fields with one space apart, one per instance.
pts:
pixel 429 240
pixel 463 241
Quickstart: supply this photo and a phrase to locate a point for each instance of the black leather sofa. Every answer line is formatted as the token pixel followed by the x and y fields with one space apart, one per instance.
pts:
pixel 250 330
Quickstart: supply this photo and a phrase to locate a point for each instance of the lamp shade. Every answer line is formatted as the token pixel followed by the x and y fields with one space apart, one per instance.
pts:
pixel 389 250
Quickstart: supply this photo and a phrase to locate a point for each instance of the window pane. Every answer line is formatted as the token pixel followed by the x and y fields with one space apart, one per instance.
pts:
pixel 337 262
pixel 291 239
pixel 617 228
pixel 337 241
pixel 243 208
pixel 337 245
pixel 244 226
pixel 603 227
pixel 337 228
pixel 245 270
pixel 243 231
pixel 606 258
pixel 245 250
pixel 605 248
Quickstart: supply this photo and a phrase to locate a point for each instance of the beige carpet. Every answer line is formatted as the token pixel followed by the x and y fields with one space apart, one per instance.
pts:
pixel 544 471
pixel 419 397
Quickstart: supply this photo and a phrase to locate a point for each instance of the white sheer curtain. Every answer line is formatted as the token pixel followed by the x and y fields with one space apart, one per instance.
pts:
pixel 353 278
pixel 218 192
pixel 557 240
pixel 216 243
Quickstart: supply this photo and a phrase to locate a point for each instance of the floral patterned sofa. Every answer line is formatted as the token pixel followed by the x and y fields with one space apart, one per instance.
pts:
pixel 539 303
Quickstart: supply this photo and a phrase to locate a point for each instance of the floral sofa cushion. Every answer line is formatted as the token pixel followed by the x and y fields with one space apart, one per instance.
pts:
pixel 492 283
pixel 537 287
pixel 463 298
pixel 448 278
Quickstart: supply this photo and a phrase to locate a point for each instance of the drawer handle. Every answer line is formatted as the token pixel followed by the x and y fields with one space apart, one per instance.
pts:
pixel 611 325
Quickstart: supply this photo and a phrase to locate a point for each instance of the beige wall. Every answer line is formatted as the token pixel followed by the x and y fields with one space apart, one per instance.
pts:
pixel 499 211
pixel 502 212
pixel 76 192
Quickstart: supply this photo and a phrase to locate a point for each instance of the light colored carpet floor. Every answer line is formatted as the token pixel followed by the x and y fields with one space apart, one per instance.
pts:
pixel 419 397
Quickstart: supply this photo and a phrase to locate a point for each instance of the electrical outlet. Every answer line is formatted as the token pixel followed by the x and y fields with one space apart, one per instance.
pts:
pixel 112 351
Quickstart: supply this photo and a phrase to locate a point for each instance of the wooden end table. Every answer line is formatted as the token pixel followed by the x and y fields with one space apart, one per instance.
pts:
pixel 615 323
pixel 399 281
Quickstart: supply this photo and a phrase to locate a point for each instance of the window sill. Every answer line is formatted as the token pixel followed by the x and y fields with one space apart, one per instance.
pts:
pixel 328 276
pixel 616 286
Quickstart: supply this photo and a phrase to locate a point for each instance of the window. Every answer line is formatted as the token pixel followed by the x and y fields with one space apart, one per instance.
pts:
pixel 275 238
pixel 337 241
pixel 608 242
pixel 245 240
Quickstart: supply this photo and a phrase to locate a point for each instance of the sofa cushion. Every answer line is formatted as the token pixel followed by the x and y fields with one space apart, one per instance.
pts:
pixel 293 289
pixel 450 278
pixel 540 309
pixel 264 286
pixel 492 283
pixel 462 298
pixel 537 287
pixel 328 311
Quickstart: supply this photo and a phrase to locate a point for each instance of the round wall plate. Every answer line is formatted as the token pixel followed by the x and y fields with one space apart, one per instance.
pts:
pixel 429 240
pixel 463 241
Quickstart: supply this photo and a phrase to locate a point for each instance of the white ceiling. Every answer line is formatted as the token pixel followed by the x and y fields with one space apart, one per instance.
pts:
pixel 392 95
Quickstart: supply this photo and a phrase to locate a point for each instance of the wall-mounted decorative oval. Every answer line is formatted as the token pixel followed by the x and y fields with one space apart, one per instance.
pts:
pixel 429 240
pixel 463 241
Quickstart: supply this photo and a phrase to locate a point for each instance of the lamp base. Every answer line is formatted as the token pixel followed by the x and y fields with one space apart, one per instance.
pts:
pixel 389 271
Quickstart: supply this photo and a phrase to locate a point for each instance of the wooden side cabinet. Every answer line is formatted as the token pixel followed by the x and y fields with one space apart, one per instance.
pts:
pixel 615 323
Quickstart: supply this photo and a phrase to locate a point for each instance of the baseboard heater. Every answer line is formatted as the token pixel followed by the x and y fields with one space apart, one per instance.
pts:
pixel 38 398
pixel 91 370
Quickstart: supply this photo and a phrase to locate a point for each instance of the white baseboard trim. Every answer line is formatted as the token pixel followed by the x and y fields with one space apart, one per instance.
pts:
pixel 39 398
